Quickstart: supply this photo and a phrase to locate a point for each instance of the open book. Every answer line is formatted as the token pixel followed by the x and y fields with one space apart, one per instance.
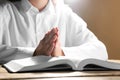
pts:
pixel 40 63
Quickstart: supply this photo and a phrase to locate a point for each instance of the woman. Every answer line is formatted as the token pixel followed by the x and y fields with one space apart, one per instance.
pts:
pixel 45 27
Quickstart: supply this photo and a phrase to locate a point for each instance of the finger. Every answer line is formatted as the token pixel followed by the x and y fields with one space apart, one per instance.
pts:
pixel 46 35
pixel 47 48
pixel 56 31
pixel 50 49
pixel 50 46
pixel 54 39
pixel 45 39
pixel 50 36
pixel 52 33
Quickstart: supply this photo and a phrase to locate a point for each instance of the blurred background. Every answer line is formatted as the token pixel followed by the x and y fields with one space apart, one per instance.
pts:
pixel 103 18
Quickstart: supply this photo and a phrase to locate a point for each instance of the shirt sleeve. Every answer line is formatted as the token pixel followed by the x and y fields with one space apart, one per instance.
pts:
pixel 8 53
pixel 81 42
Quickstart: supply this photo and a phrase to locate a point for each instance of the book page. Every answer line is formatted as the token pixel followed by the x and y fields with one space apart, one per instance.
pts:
pixel 16 65
pixel 96 64
pixel 40 63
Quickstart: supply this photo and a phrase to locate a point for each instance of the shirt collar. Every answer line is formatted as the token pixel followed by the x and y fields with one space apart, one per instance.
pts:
pixel 27 6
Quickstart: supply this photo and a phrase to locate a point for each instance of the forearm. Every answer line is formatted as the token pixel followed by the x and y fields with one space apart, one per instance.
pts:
pixel 88 50
pixel 9 53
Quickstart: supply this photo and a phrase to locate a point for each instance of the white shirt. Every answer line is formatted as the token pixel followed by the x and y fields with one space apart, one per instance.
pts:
pixel 22 27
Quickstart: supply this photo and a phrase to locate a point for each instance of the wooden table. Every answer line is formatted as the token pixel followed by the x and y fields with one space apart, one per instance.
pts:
pixel 58 75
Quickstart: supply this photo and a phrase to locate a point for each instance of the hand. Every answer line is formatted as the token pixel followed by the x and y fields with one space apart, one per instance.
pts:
pixel 57 50
pixel 47 44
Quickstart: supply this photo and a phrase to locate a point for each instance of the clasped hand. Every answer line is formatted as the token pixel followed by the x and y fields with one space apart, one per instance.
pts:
pixel 49 45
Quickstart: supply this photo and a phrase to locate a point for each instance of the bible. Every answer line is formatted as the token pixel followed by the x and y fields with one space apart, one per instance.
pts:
pixel 41 63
